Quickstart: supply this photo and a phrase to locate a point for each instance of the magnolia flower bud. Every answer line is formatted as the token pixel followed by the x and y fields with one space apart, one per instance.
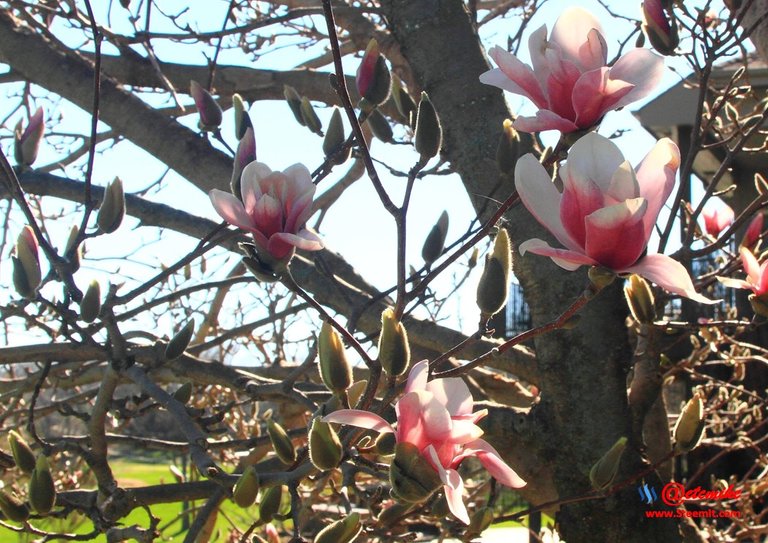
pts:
pixel 246 488
pixel 507 151
pixel 26 143
pixel 660 26
pixel 12 508
pixel 294 102
pixel 270 503
pixel 752 235
pixel 246 153
pixel 90 305
pixel 42 492
pixel 480 520
pixel 281 443
pixel 601 277
pixel 311 120
pixel 112 209
pixel 183 393
pixel 210 112
pixel 640 299
pixel 77 254
pixel 433 245
pixel 26 264
pixel 341 531
pixel 22 452
pixel 394 350
pixel 429 133
pixel 604 471
pixel 493 288
pixel 333 144
pixel 759 305
pixel 242 119
pixel 385 443
pixel 412 477
pixel 379 126
pixel 394 512
pixel 689 428
pixel 180 341
pixel 335 370
pixel 403 101
pixel 373 78
pixel 325 448
pixel 472 262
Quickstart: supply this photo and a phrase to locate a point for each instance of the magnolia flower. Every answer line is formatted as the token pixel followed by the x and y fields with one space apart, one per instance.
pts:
pixel 606 212
pixel 755 228
pixel 570 82
pixel 437 418
pixel 717 219
pixel 757 274
pixel 274 208
pixel 660 26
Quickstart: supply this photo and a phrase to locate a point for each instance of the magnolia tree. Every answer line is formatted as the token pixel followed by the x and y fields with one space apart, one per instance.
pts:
pixel 632 407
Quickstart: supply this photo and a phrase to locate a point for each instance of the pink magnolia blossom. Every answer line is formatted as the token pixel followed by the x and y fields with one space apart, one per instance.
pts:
pixel 27 141
pixel 274 208
pixel 717 219
pixel 757 274
pixel 754 230
pixel 436 417
pixel 606 212
pixel 570 82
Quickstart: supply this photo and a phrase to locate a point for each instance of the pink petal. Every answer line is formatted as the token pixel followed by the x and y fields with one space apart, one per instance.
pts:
pixel 615 234
pixel 717 219
pixel 762 284
pixel 572 29
pixel 537 48
pixel 464 431
pixel 751 265
pixel 454 394
pixel 359 418
pixel 569 260
pixel 267 216
pixel 593 53
pixel 491 460
pixel 250 183
pixel 299 211
pixel 453 487
pixel 437 421
pixel 592 159
pixel 581 197
pixel 642 69
pixel 669 274
pixel 410 425
pixel 540 197
pixel 594 94
pixel 417 377
pixel 656 177
pixel 304 240
pixel 230 209
pixel 514 76
pixel 544 120
pixel 624 185
pixel 734 283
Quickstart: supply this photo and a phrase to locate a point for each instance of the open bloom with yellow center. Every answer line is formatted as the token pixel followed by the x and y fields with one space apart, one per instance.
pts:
pixel 274 208
pixel 436 417
pixel 606 212
pixel 570 82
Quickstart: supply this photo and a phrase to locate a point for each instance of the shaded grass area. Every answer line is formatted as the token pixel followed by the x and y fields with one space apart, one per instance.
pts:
pixel 172 518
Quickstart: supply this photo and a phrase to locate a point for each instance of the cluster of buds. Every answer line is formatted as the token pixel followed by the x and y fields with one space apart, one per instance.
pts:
pixel 302 110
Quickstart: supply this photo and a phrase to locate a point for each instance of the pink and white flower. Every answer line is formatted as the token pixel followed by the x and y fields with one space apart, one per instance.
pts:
pixel 757 274
pixel 606 212
pixel 437 418
pixel 274 208
pixel 717 219
pixel 570 82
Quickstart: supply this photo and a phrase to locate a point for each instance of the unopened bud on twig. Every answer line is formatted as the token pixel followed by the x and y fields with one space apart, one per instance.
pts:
pixel 433 245
pixel 281 442
pixel 394 349
pixel 689 428
pixel 245 154
pixel 640 299
pixel 179 343
pixel 26 264
pixel 604 471
pixel 507 151
pixel 12 508
pixel 341 531
pixel 333 144
pixel 373 78
pixel 112 209
pixel 294 102
pixel 311 120
pixel 412 477
pixel 76 255
pixel 493 288
pixel 380 126
pixel 183 393
pixel 242 119
pixel 90 305
pixel 246 488
pixel 22 452
pixel 335 370
pixel 27 142
pixel 660 26
pixel 42 491
pixel 325 448
pixel 403 101
pixel 210 112
pixel 429 133
pixel 270 503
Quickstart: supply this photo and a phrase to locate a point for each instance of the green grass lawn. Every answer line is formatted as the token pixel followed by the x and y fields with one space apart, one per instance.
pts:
pixel 138 474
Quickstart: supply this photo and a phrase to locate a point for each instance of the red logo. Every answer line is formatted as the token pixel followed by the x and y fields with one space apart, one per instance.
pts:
pixel 674 494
